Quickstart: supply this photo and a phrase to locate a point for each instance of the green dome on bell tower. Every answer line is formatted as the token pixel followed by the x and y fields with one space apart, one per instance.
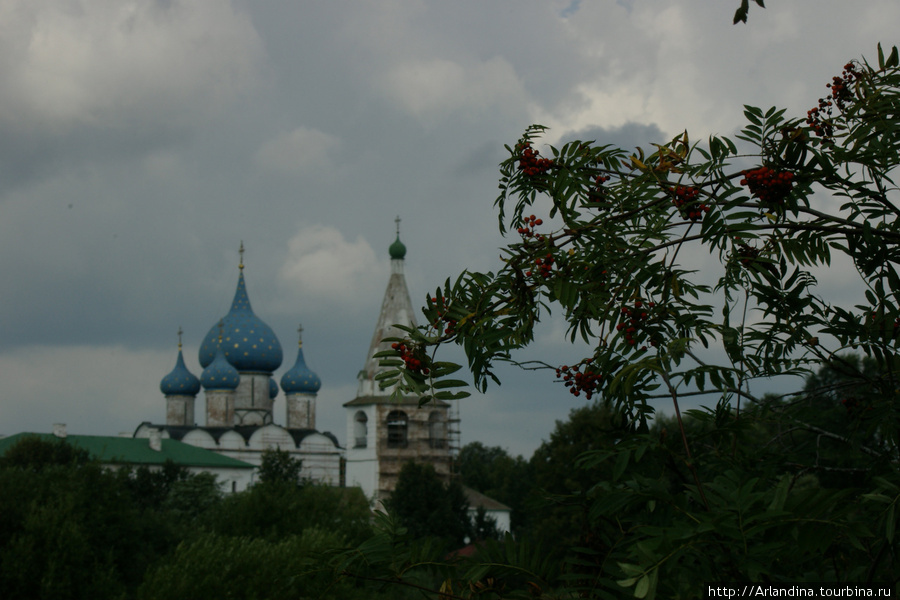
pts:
pixel 398 248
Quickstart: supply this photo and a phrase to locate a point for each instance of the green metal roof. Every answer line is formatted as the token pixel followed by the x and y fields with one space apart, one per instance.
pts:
pixel 136 451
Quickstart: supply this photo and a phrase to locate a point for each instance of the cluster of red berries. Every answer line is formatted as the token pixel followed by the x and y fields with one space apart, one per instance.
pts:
pixel 443 321
pixel 746 254
pixel 597 193
pixel 886 333
pixel 819 118
pixel 530 161
pixel 544 266
pixel 527 230
pixel 854 405
pixel 769 186
pixel 633 319
pixel 581 378
pixel 685 200
pixel 411 358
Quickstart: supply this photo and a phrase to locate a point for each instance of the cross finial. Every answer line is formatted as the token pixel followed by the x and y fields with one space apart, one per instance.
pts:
pixel 397 221
pixel 241 252
pixel 179 337
pixel 300 335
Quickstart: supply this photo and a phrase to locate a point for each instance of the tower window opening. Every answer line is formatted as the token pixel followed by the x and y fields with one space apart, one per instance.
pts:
pixel 437 431
pixel 361 430
pixel 397 427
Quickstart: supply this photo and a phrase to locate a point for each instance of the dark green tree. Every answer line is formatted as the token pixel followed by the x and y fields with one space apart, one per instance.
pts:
pixel 72 529
pixel 273 512
pixel 493 472
pixel 34 453
pixel 279 467
pixel 427 507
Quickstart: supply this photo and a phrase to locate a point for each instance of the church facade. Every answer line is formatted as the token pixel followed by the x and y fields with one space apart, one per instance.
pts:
pixel 239 355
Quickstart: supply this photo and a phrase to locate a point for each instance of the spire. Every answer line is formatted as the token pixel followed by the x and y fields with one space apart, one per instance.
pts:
pixel 249 345
pixel 300 378
pixel 180 381
pixel 396 308
pixel 397 249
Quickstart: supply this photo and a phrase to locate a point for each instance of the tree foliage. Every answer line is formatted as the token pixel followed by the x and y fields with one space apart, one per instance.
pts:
pixel 428 507
pixel 278 467
pixel 612 240
pixel 493 472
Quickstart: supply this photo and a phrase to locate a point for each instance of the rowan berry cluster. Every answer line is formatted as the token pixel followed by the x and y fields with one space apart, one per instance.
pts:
pixel 527 231
pixel 746 254
pixel 819 118
pixel 543 266
pixel 530 161
pixel 443 321
pixel 411 357
pixel 854 406
pixel 633 318
pixel 597 193
pixel 881 324
pixel 581 378
pixel 686 201
pixel 769 186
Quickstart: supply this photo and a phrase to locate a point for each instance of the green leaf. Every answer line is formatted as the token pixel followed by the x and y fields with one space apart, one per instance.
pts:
pixel 443 384
pixel 621 464
pixel 642 587
pixel 890 523
pixel 893 60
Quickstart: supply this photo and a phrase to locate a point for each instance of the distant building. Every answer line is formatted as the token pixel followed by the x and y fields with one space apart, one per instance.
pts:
pixel 152 452
pixel 382 433
pixel 239 355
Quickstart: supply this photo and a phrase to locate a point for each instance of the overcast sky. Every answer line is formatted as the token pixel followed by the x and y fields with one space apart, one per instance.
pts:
pixel 141 141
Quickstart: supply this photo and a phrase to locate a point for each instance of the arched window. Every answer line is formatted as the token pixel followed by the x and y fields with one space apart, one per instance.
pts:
pixel 437 430
pixel 361 430
pixel 397 429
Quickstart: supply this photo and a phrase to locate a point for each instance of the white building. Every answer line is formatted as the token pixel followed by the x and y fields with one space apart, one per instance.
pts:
pixel 239 355
pixel 383 434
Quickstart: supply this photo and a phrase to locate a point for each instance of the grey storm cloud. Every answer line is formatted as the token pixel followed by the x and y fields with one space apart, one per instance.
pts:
pixel 142 141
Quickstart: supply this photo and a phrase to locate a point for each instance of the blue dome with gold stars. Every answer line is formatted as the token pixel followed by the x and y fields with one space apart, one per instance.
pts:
pixel 273 389
pixel 300 379
pixel 247 342
pixel 219 374
pixel 180 381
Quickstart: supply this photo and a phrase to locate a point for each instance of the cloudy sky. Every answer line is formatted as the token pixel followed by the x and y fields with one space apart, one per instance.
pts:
pixel 142 140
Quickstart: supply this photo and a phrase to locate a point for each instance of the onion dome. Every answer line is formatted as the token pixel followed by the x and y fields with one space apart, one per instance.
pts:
pixel 397 249
pixel 247 342
pixel 273 389
pixel 219 374
pixel 180 381
pixel 300 379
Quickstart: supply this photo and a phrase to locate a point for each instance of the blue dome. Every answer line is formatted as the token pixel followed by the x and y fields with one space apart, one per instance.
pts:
pixel 300 379
pixel 247 343
pixel 220 375
pixel 273 389
pixel 180 381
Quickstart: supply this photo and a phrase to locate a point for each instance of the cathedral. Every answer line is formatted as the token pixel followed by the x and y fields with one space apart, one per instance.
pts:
pixel 239 356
